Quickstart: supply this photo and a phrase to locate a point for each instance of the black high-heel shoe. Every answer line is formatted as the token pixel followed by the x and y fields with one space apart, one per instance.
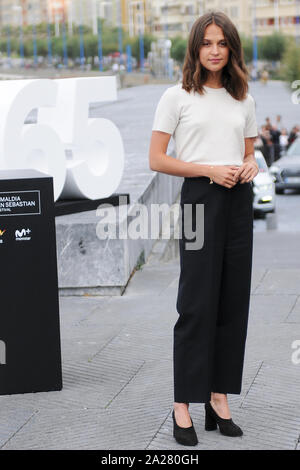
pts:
pixel 184 436
pixel 226 426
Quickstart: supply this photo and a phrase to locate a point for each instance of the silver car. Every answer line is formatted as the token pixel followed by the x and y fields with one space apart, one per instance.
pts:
pixel 263 187
pixel 286 170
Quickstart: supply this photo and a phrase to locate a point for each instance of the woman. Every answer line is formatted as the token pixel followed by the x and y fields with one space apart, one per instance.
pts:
pixel 212 120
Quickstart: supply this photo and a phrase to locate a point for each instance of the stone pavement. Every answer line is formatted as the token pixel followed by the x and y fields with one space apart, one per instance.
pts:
pixel 117 365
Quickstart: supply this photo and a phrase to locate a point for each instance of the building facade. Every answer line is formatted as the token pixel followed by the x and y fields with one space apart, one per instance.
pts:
pixel 175 17
pixel 28 12
pixel 278 15
pixel 162 18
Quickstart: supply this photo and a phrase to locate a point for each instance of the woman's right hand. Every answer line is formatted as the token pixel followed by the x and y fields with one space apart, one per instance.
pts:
pixel 223 175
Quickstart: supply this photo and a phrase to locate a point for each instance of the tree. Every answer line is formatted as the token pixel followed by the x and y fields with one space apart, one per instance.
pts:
pixel 178 48
pixel 73 47
pixel 290 68
pixel 272 47
pixel 247 45
pixel 135 45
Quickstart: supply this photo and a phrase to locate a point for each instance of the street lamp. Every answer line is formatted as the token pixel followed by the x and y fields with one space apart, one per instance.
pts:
pixel 19 9
pixel 56 7
pixel 166 19
pixel 298 21
pixel 97 21
pixel 141 34
pixel 102 4
pixel 8 45
pixel 254 75
pixel 276 14
pixel 65 49
pixel 70 17
pixel 167 42
pixel 49 42
pixel 130 18
pixel 97 10
pixel 94 16
pixel 34 41
pixel 141 27
pixel 82 59
pixel 120 30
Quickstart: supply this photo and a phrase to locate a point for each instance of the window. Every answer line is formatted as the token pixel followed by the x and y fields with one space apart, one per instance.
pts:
pixel 234 12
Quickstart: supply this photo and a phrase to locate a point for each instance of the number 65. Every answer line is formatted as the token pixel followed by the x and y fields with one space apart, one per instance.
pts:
pixel 96 164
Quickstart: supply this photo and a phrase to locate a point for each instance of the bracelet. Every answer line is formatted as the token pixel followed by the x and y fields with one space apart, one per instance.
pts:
pixel 210 180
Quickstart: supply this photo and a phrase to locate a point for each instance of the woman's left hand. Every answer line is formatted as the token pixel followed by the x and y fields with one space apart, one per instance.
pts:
pixel 246 172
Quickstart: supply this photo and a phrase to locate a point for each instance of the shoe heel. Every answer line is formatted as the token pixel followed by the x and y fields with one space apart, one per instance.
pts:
pixel 226 425
pixel 184 436
pixel 210 423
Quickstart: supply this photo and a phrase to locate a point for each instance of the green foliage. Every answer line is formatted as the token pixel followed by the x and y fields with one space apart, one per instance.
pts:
pixel 42 47
pixel 135 45
pixel 178 48
pixel 247 45
pixel 14 45
pixel 85 29
pixel 272 47
pixel 73 46
pixel 148 38
pixel 290 65
pixel 57 46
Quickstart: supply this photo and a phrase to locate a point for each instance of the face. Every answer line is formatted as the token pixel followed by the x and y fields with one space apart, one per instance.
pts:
pixel 214 46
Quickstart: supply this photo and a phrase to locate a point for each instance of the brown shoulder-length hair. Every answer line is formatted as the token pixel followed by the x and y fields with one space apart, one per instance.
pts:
pixel 234 74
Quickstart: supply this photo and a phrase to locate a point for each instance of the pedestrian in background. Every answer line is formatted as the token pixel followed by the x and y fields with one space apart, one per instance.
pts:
pixel 212 118
pixel 122 71
pixel 283 139
pixel 267 150
pixel 293 135
pixel 264 77
pixel 278 122
pixel 275 137
pixel 116 71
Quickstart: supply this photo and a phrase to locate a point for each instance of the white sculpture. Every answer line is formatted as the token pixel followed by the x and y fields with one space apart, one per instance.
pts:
pixel 96 165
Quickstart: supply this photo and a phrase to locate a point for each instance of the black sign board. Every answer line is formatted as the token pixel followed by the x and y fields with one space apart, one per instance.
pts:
pixel 20 203
pixel 30 352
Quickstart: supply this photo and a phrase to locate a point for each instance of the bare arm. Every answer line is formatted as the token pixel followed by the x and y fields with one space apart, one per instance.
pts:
pixel 249 150
pixel 160 161
pixel 249 168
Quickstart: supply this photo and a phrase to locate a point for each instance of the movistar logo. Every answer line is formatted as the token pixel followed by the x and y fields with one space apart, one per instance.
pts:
pixel 23 234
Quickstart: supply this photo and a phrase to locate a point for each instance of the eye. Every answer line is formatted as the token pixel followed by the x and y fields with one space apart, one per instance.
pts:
pixel 207 44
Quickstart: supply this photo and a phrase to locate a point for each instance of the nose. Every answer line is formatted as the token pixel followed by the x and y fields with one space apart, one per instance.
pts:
pixel 215 49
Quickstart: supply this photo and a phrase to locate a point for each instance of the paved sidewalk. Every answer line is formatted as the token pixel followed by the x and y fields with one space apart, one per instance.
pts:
pixel 117 366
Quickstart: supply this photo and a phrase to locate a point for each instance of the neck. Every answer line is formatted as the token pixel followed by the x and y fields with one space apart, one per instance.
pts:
pixel 214 80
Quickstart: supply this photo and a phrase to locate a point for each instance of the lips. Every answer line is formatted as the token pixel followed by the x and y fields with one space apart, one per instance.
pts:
pixel 215 60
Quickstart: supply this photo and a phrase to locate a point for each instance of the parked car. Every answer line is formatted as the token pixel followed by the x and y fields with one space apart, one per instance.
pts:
pixel 263 187
pixel 286 170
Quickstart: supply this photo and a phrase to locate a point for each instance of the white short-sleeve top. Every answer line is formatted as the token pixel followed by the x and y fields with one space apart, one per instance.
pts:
pixel 209 128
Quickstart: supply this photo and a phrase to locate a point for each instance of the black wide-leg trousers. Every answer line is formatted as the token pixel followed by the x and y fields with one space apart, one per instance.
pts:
pixel 213 292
